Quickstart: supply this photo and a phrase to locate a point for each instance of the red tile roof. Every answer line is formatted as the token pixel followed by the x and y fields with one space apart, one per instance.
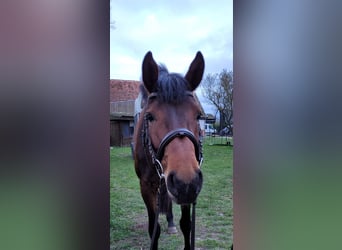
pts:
pixel 128 90
pixel 123 90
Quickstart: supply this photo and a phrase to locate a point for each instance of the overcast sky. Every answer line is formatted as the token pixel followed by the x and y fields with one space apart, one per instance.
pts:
pixel 174 31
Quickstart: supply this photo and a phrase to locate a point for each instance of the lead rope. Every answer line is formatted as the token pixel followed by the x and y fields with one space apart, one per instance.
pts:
pixel 192 242
pixel 161 179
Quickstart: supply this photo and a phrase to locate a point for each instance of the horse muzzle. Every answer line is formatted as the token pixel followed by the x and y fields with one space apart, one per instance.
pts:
pixel 184 192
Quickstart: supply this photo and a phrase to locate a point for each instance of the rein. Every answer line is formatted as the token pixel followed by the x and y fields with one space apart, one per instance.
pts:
pixel 156 158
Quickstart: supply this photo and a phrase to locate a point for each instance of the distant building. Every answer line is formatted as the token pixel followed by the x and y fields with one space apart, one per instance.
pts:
pixel 125 107
pixel 122 105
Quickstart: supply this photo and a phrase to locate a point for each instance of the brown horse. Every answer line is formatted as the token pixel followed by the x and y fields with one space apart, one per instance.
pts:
pixel 167 140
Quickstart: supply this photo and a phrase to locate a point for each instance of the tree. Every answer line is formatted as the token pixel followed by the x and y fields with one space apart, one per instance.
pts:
pixel 218 90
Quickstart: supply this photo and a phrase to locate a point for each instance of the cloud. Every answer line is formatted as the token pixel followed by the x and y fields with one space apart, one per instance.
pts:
pixel 174 31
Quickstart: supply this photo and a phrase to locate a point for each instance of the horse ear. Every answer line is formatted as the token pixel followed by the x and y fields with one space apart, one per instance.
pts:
pixel 195 72
pixel 149 72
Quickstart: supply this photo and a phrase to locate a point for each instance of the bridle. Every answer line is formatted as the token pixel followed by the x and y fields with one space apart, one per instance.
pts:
pixel 156 157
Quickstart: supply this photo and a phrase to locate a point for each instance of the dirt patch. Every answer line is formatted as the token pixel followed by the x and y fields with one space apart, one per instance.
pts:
pixel 141 222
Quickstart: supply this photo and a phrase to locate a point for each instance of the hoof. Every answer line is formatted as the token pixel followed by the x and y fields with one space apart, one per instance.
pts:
pixel 172 230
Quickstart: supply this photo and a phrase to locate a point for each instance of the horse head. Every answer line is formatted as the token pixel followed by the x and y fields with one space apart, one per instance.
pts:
pixel 172 113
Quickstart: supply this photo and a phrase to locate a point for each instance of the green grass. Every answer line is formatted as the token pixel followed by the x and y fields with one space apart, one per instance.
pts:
pixel 214 218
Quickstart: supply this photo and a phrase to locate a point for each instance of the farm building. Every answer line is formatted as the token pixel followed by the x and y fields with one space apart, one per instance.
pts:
pixel 122 105
pixel 124 111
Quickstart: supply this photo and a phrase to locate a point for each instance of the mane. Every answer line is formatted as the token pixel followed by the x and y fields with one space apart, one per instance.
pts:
pixel 171 87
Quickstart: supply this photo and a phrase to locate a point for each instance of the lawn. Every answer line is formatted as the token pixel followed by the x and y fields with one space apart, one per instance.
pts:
pixel 214 218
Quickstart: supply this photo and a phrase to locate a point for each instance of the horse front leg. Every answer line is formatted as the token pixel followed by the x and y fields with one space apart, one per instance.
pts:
pixel 151 222
pixel 171 228
pixel 185 225
pixel 149 197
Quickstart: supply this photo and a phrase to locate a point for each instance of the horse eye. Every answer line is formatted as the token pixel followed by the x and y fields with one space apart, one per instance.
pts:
pixel 198 116
pixel 149 117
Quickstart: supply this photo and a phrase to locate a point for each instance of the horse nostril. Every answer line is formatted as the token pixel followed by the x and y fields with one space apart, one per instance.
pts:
pixel 171 183
pixel 199 178
pixel 170 179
